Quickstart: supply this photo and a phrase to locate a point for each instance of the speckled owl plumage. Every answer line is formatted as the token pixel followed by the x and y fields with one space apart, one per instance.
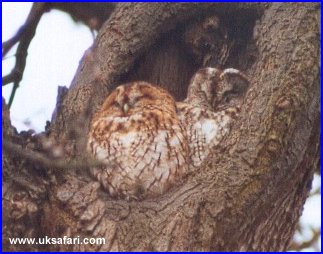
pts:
pixel 149 142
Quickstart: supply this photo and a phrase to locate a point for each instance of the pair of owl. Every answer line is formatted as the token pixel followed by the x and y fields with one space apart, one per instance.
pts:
pixel 149 142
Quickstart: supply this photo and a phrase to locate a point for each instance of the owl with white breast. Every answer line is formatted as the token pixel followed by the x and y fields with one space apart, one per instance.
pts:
pixel 149 142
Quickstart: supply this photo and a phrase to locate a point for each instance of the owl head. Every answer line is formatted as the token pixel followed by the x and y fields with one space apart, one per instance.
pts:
pixel 233 84
pixel 211 87
pixel 203 85
pixel 132 98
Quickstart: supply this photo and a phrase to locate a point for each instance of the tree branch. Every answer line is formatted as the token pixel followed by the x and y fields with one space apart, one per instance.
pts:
pixel 249 193
pixel 307 244
pixel 24 37
pixel 27 30
pixel 40 159
pixel 258 175
pixel 128 35
pixel 92 14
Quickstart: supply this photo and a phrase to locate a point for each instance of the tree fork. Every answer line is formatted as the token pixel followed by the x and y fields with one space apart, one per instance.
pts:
pixel 249 194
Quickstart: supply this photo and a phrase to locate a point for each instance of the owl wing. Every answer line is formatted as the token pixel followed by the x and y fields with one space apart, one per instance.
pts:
pixel 141 162
pixel 205 129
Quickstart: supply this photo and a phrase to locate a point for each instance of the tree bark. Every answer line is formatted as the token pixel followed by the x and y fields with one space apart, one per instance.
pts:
pixel 92 14
pixel 249 194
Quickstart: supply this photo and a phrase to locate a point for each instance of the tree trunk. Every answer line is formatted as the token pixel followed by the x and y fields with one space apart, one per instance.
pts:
pixel 249 194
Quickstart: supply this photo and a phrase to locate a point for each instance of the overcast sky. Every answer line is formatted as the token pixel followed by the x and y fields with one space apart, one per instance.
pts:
pixel 53 58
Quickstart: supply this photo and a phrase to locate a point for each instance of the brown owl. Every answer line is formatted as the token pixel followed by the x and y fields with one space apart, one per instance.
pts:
pixel 149 142
pixel 210 109
pixel 138 135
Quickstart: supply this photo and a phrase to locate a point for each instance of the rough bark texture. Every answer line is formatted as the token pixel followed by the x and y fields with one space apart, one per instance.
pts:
pixel 93 14
pixel 130 32
pixel 249 194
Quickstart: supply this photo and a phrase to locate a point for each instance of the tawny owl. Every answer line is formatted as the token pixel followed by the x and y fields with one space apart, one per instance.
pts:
pixel 213 102
pixel 149 142
pixel 139 136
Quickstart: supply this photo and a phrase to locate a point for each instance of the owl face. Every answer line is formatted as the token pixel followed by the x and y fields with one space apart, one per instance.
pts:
pixel 129 99
pixel 149 143
pixel 203 86
pixel 139 137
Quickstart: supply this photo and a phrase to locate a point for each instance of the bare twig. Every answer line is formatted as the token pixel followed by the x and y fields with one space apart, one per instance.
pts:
pixel 41 159
pixel 26 32
pixel 24 37
pixel 26 29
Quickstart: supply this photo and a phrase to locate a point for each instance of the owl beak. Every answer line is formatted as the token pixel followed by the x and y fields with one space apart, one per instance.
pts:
pixel 125 107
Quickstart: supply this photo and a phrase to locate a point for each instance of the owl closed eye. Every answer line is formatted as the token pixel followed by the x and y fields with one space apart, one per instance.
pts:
pixel 149 142
pixel 207 112
pixel 138 135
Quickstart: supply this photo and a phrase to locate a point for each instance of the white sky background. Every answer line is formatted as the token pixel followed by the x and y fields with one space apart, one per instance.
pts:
pixel 53 58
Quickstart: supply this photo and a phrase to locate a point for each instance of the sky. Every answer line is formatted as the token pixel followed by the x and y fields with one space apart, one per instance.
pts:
pixel 53 58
